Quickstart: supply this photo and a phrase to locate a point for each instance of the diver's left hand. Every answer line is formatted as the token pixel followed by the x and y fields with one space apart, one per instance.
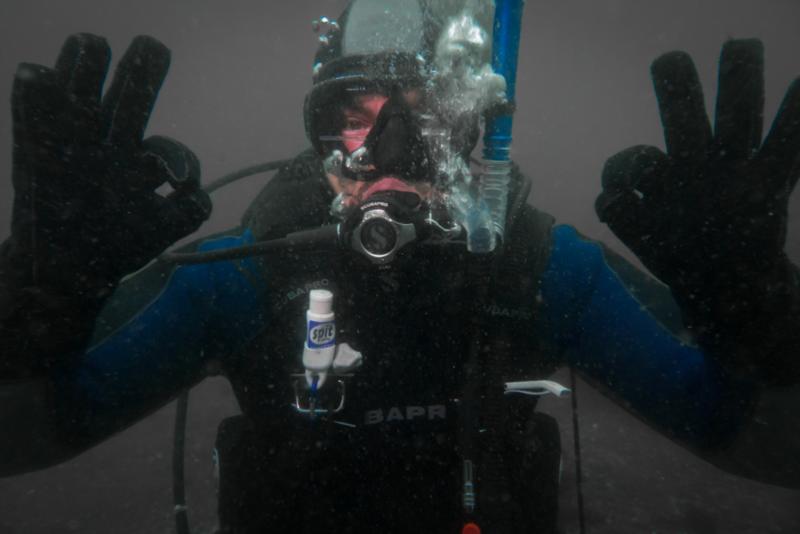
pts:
pixel 709 217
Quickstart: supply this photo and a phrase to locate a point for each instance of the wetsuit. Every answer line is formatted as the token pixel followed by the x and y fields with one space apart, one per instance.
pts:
pixel 389 461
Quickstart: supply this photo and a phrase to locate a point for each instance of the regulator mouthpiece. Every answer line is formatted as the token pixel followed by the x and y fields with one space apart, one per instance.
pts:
pixel 384 224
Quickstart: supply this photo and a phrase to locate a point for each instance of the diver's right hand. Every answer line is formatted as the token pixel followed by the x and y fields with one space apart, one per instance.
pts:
pixel 85 209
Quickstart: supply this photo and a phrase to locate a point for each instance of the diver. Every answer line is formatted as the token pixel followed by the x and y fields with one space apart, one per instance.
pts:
pixel 374 354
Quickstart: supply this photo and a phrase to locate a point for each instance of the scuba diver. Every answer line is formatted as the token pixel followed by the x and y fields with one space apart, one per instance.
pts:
pixel 384 330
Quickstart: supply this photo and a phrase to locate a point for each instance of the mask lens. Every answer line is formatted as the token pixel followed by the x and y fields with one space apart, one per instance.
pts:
pixel 359 119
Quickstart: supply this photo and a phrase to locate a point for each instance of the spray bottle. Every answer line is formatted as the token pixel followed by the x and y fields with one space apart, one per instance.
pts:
pixel 319 348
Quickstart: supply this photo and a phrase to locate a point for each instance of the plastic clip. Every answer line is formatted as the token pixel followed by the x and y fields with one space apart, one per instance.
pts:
pixel 537 388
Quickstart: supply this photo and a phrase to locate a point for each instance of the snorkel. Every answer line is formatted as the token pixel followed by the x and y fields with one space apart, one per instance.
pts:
pixel 497 133
pixel 464 84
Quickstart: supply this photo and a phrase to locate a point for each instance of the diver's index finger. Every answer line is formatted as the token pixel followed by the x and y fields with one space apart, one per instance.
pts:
pixel 82 66
pixel 128 103
pixel 687 131
pixel 740 98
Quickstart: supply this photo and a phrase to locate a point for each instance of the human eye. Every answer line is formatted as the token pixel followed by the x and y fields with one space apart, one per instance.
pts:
pixel 355 123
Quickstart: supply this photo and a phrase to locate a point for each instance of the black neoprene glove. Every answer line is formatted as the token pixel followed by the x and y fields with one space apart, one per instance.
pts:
pixel 85 209
pixel 709 217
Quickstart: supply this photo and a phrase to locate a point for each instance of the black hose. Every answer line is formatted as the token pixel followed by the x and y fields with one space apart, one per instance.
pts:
pixel 576 438
pixel 182 404
pixel 315 238
pixel 234 253
pixel 229 178
pixel 178 449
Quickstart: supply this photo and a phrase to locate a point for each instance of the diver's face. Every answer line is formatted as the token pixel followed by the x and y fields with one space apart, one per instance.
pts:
pixel 358 120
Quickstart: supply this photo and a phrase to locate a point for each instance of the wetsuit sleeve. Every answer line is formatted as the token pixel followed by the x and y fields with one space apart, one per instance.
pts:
pixel 202 312
pixel 621 330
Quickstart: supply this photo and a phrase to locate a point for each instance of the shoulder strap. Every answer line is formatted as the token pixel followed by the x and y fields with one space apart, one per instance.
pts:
pixel 526 248
pixel 485 413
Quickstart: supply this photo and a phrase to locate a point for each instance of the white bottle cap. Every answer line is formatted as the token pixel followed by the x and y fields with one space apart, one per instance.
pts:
pixel 320 301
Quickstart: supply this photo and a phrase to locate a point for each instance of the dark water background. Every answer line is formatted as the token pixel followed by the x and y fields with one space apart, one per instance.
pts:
pixel 234 94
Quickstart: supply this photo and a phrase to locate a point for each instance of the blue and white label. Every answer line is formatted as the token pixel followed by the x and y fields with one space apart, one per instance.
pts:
pixel 321 335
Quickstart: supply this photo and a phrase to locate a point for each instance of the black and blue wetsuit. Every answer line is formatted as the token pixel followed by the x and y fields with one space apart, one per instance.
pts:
pixel 390 457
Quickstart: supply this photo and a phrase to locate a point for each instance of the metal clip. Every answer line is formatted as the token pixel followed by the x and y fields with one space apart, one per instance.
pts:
pixel 330 24
pixel 310 408
pixel 469 487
